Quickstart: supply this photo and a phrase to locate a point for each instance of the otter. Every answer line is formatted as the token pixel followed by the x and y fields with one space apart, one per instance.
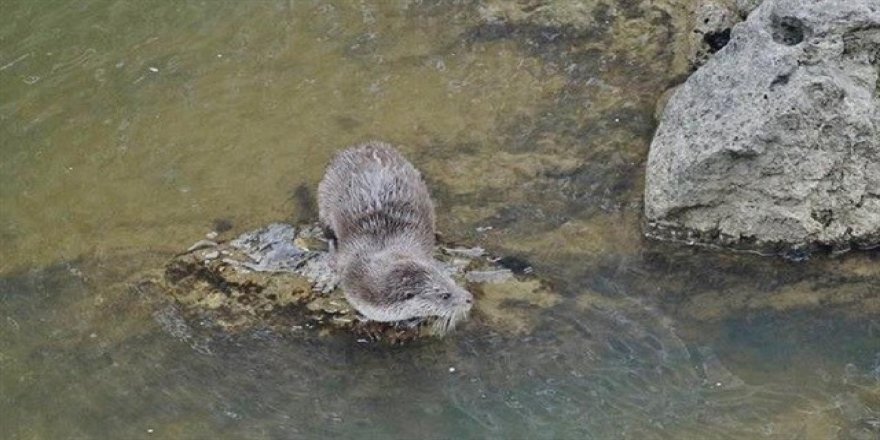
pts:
pixel 376 208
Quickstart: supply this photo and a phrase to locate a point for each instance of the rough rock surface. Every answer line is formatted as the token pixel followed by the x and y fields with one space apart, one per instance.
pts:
pixel 711 22
pixel 774 144
pixel 277 277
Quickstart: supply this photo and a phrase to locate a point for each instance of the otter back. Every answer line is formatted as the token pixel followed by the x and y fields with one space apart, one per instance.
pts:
pixel 371 191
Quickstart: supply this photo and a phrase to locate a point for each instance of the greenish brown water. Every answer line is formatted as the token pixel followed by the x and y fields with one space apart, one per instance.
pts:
pixel 129 129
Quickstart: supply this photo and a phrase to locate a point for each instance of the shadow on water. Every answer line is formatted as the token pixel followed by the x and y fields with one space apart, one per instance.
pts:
pixel 531 122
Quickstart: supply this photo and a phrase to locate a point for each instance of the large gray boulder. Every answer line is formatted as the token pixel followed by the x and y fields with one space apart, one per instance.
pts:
pixel 774 144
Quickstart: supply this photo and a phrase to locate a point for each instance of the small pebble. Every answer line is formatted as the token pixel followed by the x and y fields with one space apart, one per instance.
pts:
pixel 452 369
pixel 212 255
pixel 201 244
pixel 153 69
pixel 93 335
pixel 474 252
pixel 211 235
pixel 150 431
pixel 489 276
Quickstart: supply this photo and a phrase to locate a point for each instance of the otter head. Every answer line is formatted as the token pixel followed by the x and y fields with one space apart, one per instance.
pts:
pixel 423 289
pixel 405 288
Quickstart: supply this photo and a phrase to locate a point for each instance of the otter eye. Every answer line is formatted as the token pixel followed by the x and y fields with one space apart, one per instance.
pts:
pixel 446 296
pixel 409 296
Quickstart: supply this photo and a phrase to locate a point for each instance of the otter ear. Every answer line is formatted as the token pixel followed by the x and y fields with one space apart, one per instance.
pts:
pixel 407 277
pixel 406 272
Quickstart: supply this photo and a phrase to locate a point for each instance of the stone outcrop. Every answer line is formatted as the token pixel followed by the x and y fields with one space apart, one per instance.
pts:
pixel 774 144
pixel 278 277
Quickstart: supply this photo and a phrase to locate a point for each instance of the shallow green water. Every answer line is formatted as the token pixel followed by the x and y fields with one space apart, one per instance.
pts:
pixel 129 129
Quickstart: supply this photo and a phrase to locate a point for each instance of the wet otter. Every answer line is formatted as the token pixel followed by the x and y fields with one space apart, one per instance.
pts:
pixel 378 208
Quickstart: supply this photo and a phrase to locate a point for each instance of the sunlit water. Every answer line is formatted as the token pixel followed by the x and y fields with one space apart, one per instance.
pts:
pixel 129 129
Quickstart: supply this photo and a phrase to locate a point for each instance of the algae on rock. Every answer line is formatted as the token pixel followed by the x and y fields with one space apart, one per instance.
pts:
pixel 278 277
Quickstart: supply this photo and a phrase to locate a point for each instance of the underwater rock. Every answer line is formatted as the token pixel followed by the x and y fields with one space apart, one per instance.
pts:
pixel 278 277
pixel 774 144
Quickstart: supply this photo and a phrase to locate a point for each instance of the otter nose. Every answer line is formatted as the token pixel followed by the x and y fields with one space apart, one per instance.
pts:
pixel 469 300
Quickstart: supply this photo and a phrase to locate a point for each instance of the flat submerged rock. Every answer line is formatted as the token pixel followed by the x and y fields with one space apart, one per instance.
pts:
pixel 278 277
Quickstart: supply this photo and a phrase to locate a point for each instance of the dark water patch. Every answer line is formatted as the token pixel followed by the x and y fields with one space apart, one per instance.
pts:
pixel 41 285
pixel 638 121
pixel 222 225
pixel 598 186
pixel 587 118
pixel 523 215
pixel 305 205
pixel 629 8
pixel 626 128
pixel 552 199
pixel 702 269
pixel 708 270
pixel 517 265
pixel 571 48
pixel 603 13
pixel 699 285
pixel 765 343
pixel 538 38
